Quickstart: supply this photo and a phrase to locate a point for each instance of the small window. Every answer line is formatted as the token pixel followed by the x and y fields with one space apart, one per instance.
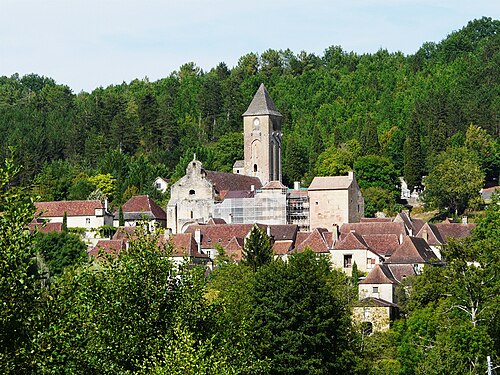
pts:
pixel 192 192
pixel 255 167
pixel 158 185
pixel 348 261
pixel 375 289
pixel 191 214
pixel 194 164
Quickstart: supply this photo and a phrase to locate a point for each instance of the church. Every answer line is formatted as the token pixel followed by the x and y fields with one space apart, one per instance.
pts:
pixel 254 193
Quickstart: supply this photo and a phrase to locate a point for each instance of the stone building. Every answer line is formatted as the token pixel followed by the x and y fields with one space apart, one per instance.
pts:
pixel 193 197
pixel 262 139
pixel 334 201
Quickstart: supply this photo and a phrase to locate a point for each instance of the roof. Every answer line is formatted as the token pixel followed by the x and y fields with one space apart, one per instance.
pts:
pixel 383 244
pixel 239 164
pixel 216 220
pixel 282 247
pixel 239 194
pixel 376 219
pixel 274 185
pixel 454 230
pixel 411 224
pixel 125 233
pixel 400 271
pixel 72 208
pixel 142 205
pixel 262 104
pixel 352 241
pixel 373 228
pixel 183 244
pixel 430 233
pixel 374 302
pixel 330 183
pixel 219 234
pixel 381 274
pixel 224 182
pixel 107 247
pixel 412 250
pixel 315 241
pixel 282 232
pixel 45 227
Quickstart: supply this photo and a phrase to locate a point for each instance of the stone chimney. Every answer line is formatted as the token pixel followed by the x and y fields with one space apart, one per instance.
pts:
pixel 296 185
pixel 335 233
pixel 350 174
pixel 465 220
pixel 197 238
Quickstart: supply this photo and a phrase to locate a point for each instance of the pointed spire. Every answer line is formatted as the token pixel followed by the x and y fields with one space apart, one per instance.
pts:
pixel 262 104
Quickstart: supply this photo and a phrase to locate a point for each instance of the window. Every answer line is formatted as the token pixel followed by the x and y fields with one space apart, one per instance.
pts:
pixel 158 185
pixel 87 220
pixel 191 214
pixel 255 167
pixel 375 289
pixel 192 192
pixel 348 261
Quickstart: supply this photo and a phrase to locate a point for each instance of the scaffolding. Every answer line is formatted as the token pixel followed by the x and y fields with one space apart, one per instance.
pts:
pixel 298 209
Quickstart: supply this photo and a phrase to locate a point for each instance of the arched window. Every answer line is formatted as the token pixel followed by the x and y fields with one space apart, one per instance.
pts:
pixel 255 167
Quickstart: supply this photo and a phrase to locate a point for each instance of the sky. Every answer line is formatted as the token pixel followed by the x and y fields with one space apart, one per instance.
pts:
pixel 92 43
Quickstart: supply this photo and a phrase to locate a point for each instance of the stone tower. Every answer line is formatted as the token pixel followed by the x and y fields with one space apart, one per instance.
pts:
pixel 262 138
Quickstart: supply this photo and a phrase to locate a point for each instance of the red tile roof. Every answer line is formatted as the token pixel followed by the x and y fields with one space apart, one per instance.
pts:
pixel 220 234
pixel 224 182
pixel 143 204
pixel 274 185
pixel 376 220
pixel 282 247
pixel 383 244
pixel 125 233
pixel 413 250
pixel 216 220
pixel 352 241
pixel 234 249
pixel 454 230
pixel 113 247
pixel 374 302
pixel 400 271
pixel 45 227
pixel 431 235
pixel 183 244
pixel 284 232
pixel 381 274
pixel 373 228
pixel 72 208
pixel 315 241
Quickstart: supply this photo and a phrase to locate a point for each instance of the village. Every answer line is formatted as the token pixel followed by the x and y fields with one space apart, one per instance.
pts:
pixel 209 211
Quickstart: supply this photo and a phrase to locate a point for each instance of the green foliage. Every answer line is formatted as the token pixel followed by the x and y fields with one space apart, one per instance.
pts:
pixel 19 283
pixel 257 250
pixel 60 250
pixel 454 183
pixel 297 319
pixel 104 183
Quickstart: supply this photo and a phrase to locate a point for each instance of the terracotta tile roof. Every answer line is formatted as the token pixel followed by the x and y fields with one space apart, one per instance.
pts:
pixel 431 235
pixel 239 194
pixel 352 241
pixel 224 182
pixel 376 220
pixel 284 232
pixel 374 302
pixel 411 224
pixel 282 247
pixel 400 271
pixel 381 274
pixel 330 183
pixel 454 230
pixel 215 221
pixel 383 244
pixel 315 241
pixel 113 247
pixel 72 208
pixel 45 227
pixel 330 239
pixel 234 249
pixel 220 234
pixel 261 104
pixel 125 233
pixel 412 250
pixel 183 245
pixel 141 205
pixel 302 193
pixel 373 228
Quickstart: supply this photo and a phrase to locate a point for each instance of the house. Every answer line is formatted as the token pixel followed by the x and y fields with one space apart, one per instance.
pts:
pixel 374 314
pixel 88 215
pixel 139 209
pixel 413 251
pixel 380 283
pixel 351 249
pixel 107 247
pixel 334 201
pixel 161 184
pixel 320 241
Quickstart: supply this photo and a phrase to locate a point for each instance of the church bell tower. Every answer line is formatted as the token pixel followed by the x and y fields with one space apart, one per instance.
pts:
pixel 262 138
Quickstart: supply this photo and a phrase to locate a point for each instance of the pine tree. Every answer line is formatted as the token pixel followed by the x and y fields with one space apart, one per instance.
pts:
pixel 65 223
pixel 257 250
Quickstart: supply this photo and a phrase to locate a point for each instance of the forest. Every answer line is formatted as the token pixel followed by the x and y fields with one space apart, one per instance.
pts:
pixel 408 114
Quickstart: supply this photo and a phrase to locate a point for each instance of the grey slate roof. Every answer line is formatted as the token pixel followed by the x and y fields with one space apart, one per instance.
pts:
pixel 262 104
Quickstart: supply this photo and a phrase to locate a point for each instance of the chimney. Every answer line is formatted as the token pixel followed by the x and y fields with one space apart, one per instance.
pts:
pixel 296 185
pixel 335 232
pixel 105 205
pixel 268 231
pixel 197 238
pixel 252 187
pixel 464 220
pixel 350 174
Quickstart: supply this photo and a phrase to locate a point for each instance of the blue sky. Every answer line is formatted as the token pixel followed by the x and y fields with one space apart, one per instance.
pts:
pixel 92 43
